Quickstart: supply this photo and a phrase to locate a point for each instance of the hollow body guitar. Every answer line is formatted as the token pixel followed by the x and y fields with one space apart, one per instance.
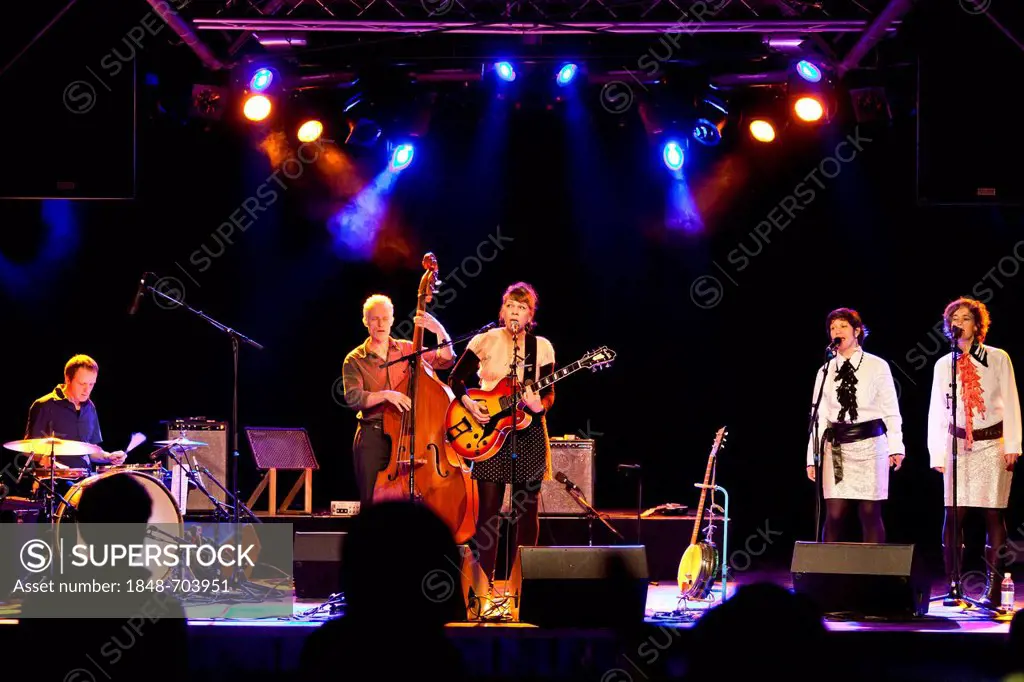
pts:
pixel 479 442
pixel 699 565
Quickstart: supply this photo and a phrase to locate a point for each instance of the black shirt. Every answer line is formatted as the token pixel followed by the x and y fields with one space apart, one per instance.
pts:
pixel 55 415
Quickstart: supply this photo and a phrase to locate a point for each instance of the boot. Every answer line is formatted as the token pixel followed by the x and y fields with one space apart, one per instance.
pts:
pixel 993 579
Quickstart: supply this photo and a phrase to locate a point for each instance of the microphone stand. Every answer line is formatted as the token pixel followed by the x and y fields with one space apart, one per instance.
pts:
pixel 812 431
pixel 513 374
pixel 592 513
pixel 450 342
pixel 236 339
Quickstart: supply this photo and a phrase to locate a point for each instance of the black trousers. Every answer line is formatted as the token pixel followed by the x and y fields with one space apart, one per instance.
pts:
pixel 371 450
pixel 523 501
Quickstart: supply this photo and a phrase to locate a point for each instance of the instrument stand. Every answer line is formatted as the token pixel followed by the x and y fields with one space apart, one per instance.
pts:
pixel 51 489
pixel 180 572
pixel 513 526
pixel 812 431
pixel 236 338
pixel 723 562
pixel 956 596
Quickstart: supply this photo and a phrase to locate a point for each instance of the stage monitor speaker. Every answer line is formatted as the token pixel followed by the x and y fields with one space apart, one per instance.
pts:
pixel 575 459
pixel 213 456
pixel 317 564
pixel 862 579
pixel 566 586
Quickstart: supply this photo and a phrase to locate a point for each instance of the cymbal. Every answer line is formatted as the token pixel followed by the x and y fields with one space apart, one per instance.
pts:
pixel 55 446
pixel 185 442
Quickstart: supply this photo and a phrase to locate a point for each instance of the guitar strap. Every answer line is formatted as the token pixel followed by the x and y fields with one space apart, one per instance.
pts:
pixel 530 368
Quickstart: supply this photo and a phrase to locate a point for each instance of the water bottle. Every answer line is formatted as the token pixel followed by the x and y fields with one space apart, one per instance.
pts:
pixel 1006 602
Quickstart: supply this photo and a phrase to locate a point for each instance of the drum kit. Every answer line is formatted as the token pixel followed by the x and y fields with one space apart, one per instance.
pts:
pixel 58 487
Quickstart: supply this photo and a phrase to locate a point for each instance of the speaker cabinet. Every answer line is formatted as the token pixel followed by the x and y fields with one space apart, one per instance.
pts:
pixel 575 459
pixel 317 564
pixel 213 456
pixel 566 586
pixel 862 579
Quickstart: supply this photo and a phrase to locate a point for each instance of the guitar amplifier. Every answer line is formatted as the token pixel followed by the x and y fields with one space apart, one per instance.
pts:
pixel 575 458
pixel 212 456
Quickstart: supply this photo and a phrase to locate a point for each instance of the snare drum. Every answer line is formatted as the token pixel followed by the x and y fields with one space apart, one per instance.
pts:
pixel 165 511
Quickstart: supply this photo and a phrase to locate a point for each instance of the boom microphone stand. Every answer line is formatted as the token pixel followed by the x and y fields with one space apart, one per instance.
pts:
pixel 513 374
pixel 812 431
pixel 238 577
pixel 956 595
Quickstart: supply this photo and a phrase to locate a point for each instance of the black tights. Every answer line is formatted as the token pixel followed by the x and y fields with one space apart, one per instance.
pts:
pixel 995 528
pixel 488 528
pixel 870 512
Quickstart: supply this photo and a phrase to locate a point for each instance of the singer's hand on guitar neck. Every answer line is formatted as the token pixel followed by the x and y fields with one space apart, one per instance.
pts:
pixel 532 399
pixel 476 410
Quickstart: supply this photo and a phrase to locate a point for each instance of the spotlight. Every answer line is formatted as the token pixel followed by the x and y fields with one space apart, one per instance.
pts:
pixel 257 108
pixel 762 130
pixel 566 74
pixel 505 71
pixel 401 157
pixel 808 71
pixel 261 80
pixel 711 119
pixel 809 109
pixel 310 131
pixel 673 156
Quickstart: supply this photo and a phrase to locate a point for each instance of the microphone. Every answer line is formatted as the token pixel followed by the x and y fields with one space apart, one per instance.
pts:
pixel 830 351
pixel 569 485
pixel 515 326
pixel 835 342
pixel 957 332
pixel 134 308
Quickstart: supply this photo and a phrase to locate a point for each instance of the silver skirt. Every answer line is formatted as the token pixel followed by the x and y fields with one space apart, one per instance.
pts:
pixel 982 479
pixel 865 470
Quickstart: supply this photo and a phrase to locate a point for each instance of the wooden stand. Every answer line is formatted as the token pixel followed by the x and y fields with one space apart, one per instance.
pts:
pixel 305 481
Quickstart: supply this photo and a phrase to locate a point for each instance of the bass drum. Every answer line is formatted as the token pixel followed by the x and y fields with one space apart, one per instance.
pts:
pixel 165 512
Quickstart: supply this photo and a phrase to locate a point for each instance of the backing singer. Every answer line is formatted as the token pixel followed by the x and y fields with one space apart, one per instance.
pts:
pixel 988 431
pixel 861 427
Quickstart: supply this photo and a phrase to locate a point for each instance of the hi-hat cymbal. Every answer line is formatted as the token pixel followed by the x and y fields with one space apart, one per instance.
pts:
pixel 184 442
pixel 55 446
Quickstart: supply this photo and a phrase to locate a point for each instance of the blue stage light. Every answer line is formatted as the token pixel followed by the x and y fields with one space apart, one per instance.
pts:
pixel 401 157
pixel 706 132
pixel 261 80
pixel 505 71
pixel 566 74
pixel 808 71
pixel 673 156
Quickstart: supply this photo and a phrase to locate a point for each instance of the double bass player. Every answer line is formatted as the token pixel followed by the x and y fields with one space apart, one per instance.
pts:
pixel 370 389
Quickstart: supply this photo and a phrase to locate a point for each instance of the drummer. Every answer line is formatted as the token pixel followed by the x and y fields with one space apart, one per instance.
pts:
pixel 68 412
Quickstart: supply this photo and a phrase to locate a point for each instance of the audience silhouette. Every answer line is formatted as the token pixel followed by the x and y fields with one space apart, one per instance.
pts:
pixel 402 582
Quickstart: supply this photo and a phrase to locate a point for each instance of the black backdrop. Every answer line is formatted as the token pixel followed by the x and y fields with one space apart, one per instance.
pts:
pixel 583 213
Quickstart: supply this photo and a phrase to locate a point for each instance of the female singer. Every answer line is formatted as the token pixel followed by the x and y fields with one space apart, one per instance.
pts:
pixel 988 432
pixel 859 421
pixel 490 357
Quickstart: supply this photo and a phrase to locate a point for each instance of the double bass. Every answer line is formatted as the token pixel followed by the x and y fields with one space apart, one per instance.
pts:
pixel 422 466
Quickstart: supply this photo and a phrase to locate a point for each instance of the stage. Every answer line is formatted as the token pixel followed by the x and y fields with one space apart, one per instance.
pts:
pixel 947 643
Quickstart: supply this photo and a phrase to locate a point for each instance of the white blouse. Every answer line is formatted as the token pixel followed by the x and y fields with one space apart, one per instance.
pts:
pixel 876 399
pixel 998 390
pixel 494 348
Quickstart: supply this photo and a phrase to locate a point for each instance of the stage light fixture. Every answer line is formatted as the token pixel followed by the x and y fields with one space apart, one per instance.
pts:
pixel 762 130
pixel 808 71
pixel 401 157
pixel 673 155
pixel 809 109
pixel 711 118
pixel 257 108
pixel 310 131
pixel 505 71
pixel 261 80
pixel 566 74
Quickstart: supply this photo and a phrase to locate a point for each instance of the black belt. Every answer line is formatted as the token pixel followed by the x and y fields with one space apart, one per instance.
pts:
pixel 839 433
pixel 371 423
pixel 988 433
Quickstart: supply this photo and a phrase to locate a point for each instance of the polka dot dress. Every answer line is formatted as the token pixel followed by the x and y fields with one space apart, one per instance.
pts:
pixel 529 465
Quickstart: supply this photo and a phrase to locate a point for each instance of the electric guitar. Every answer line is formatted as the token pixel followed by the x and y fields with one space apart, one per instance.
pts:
pixel 699 564
pixel 479 442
